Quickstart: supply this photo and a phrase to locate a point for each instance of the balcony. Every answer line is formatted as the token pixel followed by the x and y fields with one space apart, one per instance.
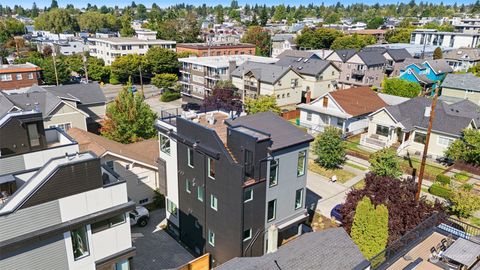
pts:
pixel 358 72
pixel 389 67
pixel 250 88
pixel 212 76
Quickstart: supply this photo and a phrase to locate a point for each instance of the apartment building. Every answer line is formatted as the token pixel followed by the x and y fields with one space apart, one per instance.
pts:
pixel 200 74
pixel 111 47
pixel 228 180
pixel 59 209
pixel 19 75
pixel 282 42
pixel 363 68
pixel 63 47
pixel 260 79
pixel 445 39
pixel 206 49
pixel 467 25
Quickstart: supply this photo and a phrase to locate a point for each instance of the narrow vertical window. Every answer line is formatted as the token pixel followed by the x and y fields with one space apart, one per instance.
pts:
pixel 200 193
pixel 164 144
pixel 272 210
pixel 33 135
pixel 273 181
pixel 298 198
pixel 188 187
pixel 211 168
pixel 213 202
pixel 211 238
pixel 80 243
pixel 302 155
pixel 190 157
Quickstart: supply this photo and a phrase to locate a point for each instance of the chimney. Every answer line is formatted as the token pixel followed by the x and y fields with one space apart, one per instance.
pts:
pixel 428 110
pixel 272 239
pixel 232 65
pixel 308 97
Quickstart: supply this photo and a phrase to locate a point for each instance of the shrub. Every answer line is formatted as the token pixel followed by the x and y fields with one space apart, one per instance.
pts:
pixel 443 179
pixel 440 191
pixel 170 96
pixel 464 203
pixel 462 176
pixel 467 187
pixel 158 199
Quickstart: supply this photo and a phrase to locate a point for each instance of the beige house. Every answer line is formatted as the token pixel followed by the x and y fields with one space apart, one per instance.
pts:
pixel 461 86
pixel 136 162
pixel 405 125
pixel 260 79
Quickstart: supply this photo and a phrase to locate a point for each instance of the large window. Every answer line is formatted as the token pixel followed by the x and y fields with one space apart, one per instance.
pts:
pixel 272 210
pixel 309 116
pixel 64 126
pixel 445 141
pixel 302 158
pixel 298 198
pixel 273 181
pixel 5 77
pixel 171 207
pixel 248 163
pixel 200 193
pixel 33 135
pixel 211 238
pixel 107 223
pixel 190 157
pixel 420 137
pixel 247 234
pixel 122 265
pixel 164 144
pixel 213 202
pixel 382 130
pixel 80 243
pixel 211 168
pixel 248 195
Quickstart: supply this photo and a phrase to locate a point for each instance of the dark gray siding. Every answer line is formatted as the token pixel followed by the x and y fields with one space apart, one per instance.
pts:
pixel 68 180
pixel 12 164
pixel 29 219
pixel 14 135
pixel 50 254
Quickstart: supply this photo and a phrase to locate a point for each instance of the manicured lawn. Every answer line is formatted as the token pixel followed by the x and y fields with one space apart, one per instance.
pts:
pixel 342 175
pixel 353 144
pixel 475 221
pixel 430 169
pixel 356 166
pixel 461 176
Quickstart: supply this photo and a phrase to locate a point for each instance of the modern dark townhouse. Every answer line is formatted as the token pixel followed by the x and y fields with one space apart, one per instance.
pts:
pixel 59 209
pixel 229 180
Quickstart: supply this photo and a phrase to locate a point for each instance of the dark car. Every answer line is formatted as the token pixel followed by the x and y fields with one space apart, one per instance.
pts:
pixel 335 213
pixel 190 106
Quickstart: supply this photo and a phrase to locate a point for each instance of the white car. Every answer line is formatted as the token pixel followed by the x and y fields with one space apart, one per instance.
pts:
pixel 139 216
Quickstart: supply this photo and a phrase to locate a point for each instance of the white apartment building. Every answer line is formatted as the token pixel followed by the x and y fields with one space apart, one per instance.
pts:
pixel 109 48
pixel 445 39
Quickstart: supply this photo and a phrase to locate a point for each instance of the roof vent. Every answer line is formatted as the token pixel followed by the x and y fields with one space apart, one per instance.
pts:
pixel 428 110
pixel 299 59
pixel 299 68
pixel 304 61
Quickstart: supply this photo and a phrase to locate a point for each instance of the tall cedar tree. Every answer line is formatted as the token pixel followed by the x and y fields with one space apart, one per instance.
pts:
pixel 329 148
pixel 404 213
pixel 129 119
pixel 437 53
pixel 370 227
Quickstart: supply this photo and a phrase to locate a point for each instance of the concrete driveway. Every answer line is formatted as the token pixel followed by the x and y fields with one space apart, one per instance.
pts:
pixel 158 105
pixel 156 249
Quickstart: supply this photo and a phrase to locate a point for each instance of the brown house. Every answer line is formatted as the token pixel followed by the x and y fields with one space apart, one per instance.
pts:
pixel 19 76
pixel 204 49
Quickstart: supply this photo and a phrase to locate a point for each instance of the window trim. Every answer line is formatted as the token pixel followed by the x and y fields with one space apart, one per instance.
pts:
pixel 162 148
pixel 277 169
pixel 415 136
pixel 211 238
pixel 251 195
pixel 249 234
pixel 190 162
pixel 212 199
pixel 87 243
pixel 198 193
pixel 444 138
pixel 301 199
pixel 382 126
pixel 109 224
pixel 209 159
pixel 170 203
pixel 274 210
pixel 304 163
pixel 188 187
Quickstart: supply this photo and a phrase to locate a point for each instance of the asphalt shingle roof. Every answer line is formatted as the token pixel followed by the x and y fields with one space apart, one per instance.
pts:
pixel 372 58
pixel 451 119
pixel 399 55
pixel 34 98
pixel 298 54
pixel 312 67
pixel 5 105
pixel 329 249
pixel 358 100
pixel 282 133
pixel 440 66
pixel 346 54
pixel 90 93
pixel 268 73
pixel 463 54
pixel 283 37
pixel 466 81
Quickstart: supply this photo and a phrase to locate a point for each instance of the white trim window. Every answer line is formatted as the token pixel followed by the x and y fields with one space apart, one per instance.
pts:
pixel 171 207
pixel 213 202
pixel 247 195
pixel 211 237
pixel 5 77
pixel 309 116
pixel 444 141
pixel 80 243
pixel 272 210
pixel 18 76
pixel 164 144
pixel 298 198
pixel 274 168
pixel 247 234
pixel 190 157
pixel 62 126
pixel 302 159
pixel 211 168
pixel 200 193
pixel 30 76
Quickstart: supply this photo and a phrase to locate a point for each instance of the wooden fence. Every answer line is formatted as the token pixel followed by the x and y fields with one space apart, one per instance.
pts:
pixel 462 166
pixel 291 114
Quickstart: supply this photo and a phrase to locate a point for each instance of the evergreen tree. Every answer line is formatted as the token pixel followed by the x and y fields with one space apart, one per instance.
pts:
pixel 370 227
pixel 437 53
pixel 34 12
pixel 54 4
pixel 385 163
pixel 263 16
pixel 329 148
pixel 126 21
pixel 129 118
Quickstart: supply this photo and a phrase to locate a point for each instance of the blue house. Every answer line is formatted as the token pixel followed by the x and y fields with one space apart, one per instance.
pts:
pixel 425 72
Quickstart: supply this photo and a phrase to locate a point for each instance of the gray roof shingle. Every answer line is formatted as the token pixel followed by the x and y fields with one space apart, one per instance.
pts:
pixel 345 54
pixel 268 73
pixel 34 98
pixel 5 105
pixel 466 81
pixel 312 67
pixel 90 93
pixel 282 133
pixel 372 58
pixel 329 249
pixel 399 55
pixel 440 66
pixel 451 119
pixel 298 54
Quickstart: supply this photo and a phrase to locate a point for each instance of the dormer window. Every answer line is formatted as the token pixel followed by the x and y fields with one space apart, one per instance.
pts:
pixel 33 135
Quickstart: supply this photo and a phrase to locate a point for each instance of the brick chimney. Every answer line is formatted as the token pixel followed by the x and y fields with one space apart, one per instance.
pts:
pixel 308 97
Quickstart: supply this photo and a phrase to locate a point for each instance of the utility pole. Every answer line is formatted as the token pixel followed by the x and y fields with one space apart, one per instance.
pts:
pixel 85 66
pixel 425 148
pixel 55 63
pixel 141 78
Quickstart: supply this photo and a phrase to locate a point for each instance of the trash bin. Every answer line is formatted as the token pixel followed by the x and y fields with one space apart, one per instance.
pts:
pixel 297 121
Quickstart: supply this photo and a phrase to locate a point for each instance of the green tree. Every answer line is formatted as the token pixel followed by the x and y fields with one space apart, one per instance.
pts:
pixel 57 20
pixel 126 67
pixel 234 15
pixel 329 148
pixel 34 11
pixel 97 70
pixel 437 53
pixel 126 29
pixel 467 148
pixel 370 227
pixel 141 13
pixel 54 4
pixel 160 60
pixel 321 38
pixel 260 37
pixel 94 21
pixel 398 35
pixel 385 163
pixel 10 27
pixel 352 42
pixel 261 104
pixel 219 15
pixel 402 88
pixel 280 13
pixel 464 203
pixel 263 16
pixel 164 80
pixel 375 23
pixel 48 72
pixel 129 118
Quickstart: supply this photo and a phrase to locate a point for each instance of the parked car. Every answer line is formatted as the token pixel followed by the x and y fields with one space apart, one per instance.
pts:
pixel 190 106
pixel 139 216
pixel 335 213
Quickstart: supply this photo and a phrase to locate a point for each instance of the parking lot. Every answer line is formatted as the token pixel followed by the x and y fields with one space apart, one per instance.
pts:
pixel 156 249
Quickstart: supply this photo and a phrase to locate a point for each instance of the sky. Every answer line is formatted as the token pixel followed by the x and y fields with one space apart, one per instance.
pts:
pixel 164 3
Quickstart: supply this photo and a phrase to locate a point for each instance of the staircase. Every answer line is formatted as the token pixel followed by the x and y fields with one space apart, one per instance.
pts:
pixel 230 153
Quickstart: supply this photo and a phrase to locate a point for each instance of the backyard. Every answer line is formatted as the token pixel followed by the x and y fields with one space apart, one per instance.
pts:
pixel 342 175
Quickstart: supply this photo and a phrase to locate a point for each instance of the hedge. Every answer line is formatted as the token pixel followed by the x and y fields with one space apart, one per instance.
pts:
pixel 170 96
pixel 443 179
pixel 440 191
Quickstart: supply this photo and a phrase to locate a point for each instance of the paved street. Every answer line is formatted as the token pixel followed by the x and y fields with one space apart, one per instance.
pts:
pixel 155 248
pixel 111 91
pixel 158 105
